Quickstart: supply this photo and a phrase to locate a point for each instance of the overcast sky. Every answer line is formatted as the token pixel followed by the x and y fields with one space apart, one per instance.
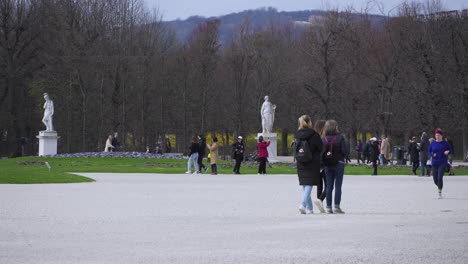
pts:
pixel 173 9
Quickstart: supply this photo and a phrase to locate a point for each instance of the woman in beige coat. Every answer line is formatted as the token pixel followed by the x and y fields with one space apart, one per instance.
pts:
pixel 214 155
pixel 385 150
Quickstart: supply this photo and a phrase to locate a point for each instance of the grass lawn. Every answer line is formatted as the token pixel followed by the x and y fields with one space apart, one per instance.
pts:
pixel 33 169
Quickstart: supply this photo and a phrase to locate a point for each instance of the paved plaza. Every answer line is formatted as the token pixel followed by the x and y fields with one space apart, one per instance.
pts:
pixel 155 218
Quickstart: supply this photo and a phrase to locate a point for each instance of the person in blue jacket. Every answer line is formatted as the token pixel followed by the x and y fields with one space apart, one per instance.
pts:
pixel 439 149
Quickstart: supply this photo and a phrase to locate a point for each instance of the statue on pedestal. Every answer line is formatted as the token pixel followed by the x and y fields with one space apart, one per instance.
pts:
pixel 48 113
pixel 268 115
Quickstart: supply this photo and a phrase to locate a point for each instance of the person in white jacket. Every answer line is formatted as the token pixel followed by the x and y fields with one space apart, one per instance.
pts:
pixel 109 146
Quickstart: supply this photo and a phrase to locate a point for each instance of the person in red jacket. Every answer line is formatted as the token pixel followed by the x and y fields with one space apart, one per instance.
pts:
pixel 262 154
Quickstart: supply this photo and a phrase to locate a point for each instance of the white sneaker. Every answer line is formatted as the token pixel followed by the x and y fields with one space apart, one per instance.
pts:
pixel 309 211
pixel 188 172
pixel 319 205
pixel 302 209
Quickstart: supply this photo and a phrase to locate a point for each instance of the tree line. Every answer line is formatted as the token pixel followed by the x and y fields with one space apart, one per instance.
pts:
pixel 113 65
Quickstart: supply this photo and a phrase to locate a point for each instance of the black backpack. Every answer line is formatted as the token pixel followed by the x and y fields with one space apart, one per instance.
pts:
pixel 330 158
pixel 302 152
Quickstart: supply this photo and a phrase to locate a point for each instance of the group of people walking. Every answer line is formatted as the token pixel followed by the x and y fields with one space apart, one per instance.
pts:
pixel 197 153
pixel 112 143
pixel 369 153
pixel 320 153
pixel 197 149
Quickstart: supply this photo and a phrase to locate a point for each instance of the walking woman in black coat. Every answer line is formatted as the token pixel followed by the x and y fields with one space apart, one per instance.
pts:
pixel 308 172
pixel 413 150
pixel 374 153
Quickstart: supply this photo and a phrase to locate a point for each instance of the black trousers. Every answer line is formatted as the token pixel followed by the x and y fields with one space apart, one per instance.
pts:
pixel 238 164
pixel 415 166
pixel 262 165
pixel 200 161
pixel 374 164
pixel 367 158
pixel 321 194
pixel 359 157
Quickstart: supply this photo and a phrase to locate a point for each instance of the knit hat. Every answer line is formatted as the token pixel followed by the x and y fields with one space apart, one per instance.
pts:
pixel 373 139
pixel 438 131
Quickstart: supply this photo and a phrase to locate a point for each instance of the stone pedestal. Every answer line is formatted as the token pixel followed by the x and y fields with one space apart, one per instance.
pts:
pixel 273 147
pixel 47 143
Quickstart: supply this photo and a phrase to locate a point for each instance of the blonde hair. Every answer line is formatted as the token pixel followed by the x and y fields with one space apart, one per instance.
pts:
pixel 330 128
pixel 304 122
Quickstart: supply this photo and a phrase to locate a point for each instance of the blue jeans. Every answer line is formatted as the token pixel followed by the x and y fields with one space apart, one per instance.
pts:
pixel 382 159
pixel 193 159
pixel 306 199
pixel 438 175
pixel 423 165
pixel 334 179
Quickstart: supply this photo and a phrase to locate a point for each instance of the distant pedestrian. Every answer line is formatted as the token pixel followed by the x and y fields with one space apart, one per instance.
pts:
pixel 115 142
pixel 262 154
pixel 214 155
pixel 429 159
pixel 109 147
pixel 450 156
pixel 348 152
pixel 157 150
pixel 359 150
pixel 439 150
pixel 423 146
pixel 374 153
pixel 309 146
pixel 413 150
pixel 334 154
pixel 366 152
pixel 168 146
pixel 385 150
pixel 238 149
pixel 193 157
pixel 201 152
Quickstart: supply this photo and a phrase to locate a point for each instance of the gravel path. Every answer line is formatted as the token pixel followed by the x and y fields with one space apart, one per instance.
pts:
pixel 154 218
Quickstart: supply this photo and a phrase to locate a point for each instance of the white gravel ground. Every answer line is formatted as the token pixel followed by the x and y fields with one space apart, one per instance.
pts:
pixel 154 218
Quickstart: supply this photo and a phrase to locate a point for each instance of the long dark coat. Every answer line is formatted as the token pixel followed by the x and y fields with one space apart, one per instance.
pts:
pixel 309 172
pixel 413 151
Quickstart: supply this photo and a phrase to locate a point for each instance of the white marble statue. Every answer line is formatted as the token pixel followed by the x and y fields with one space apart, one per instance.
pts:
pixel 268 115
pixel 48 113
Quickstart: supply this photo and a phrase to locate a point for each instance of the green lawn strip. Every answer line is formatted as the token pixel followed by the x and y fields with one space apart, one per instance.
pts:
pixel 33 170
pixel 14 174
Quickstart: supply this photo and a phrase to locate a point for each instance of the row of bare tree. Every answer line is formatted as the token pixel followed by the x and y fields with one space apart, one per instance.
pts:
pixel 111 65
